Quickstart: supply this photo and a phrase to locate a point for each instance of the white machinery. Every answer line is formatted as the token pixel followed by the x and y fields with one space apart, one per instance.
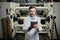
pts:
pixel 42 12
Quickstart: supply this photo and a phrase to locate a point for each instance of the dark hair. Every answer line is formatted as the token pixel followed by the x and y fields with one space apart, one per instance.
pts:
pixel 32 7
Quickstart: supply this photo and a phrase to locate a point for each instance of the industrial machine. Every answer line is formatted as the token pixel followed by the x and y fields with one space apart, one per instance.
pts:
pixel 7 24
pixel 43 12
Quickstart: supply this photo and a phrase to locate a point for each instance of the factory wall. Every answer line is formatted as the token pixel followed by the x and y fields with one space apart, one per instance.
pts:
pixel 0 25
pixel 56 11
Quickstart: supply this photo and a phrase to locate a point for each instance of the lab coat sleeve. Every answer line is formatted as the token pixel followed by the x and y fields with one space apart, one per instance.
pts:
pixel 25 25
pixel 40 26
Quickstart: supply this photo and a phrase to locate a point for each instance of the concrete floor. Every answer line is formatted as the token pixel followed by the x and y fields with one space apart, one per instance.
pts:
pixel 42 37
pixel 20 36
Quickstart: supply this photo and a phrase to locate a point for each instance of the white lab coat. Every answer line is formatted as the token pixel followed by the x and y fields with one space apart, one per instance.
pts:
pixel 33 33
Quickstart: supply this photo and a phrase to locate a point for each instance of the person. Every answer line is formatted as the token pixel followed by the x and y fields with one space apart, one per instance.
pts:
pixel 32 34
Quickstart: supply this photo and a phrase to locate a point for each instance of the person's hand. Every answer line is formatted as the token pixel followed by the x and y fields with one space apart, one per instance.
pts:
pixel 35 26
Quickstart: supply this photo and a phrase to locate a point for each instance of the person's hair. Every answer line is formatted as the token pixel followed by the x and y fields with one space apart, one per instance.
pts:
pixel 32 7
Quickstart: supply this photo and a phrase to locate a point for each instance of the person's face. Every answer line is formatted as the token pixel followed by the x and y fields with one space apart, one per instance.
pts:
pixel 32 11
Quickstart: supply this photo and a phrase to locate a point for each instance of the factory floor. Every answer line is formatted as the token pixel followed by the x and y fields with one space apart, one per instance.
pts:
pixel 42 37
pixel 20 36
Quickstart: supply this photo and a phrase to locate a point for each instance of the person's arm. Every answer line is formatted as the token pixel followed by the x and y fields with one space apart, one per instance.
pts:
pixel 26 25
